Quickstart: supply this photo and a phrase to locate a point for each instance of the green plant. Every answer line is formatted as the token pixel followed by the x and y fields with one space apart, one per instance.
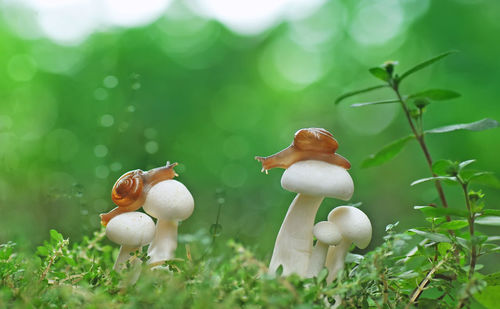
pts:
pixel 433 265
pixel 451 245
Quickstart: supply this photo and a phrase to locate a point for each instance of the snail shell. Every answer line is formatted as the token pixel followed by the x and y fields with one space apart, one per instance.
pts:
pixel 130 190
pixel 308 144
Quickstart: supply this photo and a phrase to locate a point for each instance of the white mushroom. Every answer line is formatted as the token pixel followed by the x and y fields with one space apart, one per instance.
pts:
pixel 131 230
pixel 170 202
pixel 313 181
pixel 327 234
pixel 355 228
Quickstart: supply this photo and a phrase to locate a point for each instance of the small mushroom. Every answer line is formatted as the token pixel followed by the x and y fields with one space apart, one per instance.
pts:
pixel 327 234
pixel 314 171
pixel 170 202
pixel 131 189
pixel 355 228
pixel 131 231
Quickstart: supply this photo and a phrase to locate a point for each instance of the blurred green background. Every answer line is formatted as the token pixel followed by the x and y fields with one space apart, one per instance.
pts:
pixel 92 89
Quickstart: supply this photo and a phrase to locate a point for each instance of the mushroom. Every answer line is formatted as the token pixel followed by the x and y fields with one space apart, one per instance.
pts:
pixel 170 202
pixel 131 189
pixel 131 231
pixel 314 171
pixel 355 228
pixel 327 234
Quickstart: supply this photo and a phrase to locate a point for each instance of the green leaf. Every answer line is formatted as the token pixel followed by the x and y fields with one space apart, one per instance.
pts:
pixel 436 94
pixel 42 251
pixel 486 179
pixel 435 212
pixel 489 220
pixel 444 167
pixel 322 275
pixel 432 236
pixel 419 181
pixel 493 279
pixel 463 164
pixel 454 225
pixel 489 297
pixel 387 153
pixel 355 92
pixel 55 235
pixel 380 73
pixel 491 212
pixel 425 64
pixel 375 103
pixel 480 125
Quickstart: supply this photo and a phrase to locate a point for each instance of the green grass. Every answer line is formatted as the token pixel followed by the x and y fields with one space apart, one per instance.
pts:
pixel 228 275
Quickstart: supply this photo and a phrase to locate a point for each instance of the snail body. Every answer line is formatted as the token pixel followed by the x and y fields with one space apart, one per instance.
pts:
pixel 308 144
pixel 130 190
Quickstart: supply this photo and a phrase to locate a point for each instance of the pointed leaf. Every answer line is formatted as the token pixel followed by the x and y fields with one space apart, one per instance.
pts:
pixel 494 212
pixel 465 163
pixel 355 92
pixel 451 178
pixel 425 64
pixel 489 220
pixel 375 103
pixel 380 73
pixel 387 153
pixel 444 167
pixel 432 236
pixel 436 94
pixel 483 124
pixel 486 179
pixel 454 225
pixel 435 212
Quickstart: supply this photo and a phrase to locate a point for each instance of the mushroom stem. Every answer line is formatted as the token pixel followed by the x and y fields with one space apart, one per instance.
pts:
pixel 293 244
pixel 336 258
pixel 123 256
pixel 318 257
pixel 164 243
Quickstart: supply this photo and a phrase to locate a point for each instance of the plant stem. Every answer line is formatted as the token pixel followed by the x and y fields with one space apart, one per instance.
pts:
pixel 470 220
pixel 424 283
pixel 423 145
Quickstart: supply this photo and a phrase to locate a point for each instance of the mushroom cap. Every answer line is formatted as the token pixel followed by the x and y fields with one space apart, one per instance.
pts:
pixel 169 200
pixel 353 224
pixel 327 232
pixel 134 229
pixel 318 178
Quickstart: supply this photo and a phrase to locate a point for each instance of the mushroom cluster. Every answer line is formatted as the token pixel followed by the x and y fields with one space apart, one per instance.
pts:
pixel 161 197
pixel 314 171
pixel 346 225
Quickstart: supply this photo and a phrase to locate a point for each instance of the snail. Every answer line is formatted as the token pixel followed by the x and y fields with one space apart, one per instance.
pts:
pixel 308 144
pixel 131 189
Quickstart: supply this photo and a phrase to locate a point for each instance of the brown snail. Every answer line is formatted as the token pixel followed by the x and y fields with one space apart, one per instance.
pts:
pixel 130 190
pixel 308 144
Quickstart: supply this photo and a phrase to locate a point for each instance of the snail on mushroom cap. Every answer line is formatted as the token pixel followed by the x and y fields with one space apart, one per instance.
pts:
pixel 314 171
pixel 130 190
pixel 308 144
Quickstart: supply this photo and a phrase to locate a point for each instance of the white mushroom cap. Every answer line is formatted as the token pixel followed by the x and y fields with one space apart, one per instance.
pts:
pixel 353 224
pixel 318 178
pixel 134 229
pixel 169 200
pixel 327 233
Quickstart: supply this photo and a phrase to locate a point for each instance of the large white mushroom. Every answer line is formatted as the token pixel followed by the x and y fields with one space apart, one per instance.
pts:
pixel 355 228
pixel 170 202
pixel 314 171
pixel 131 230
